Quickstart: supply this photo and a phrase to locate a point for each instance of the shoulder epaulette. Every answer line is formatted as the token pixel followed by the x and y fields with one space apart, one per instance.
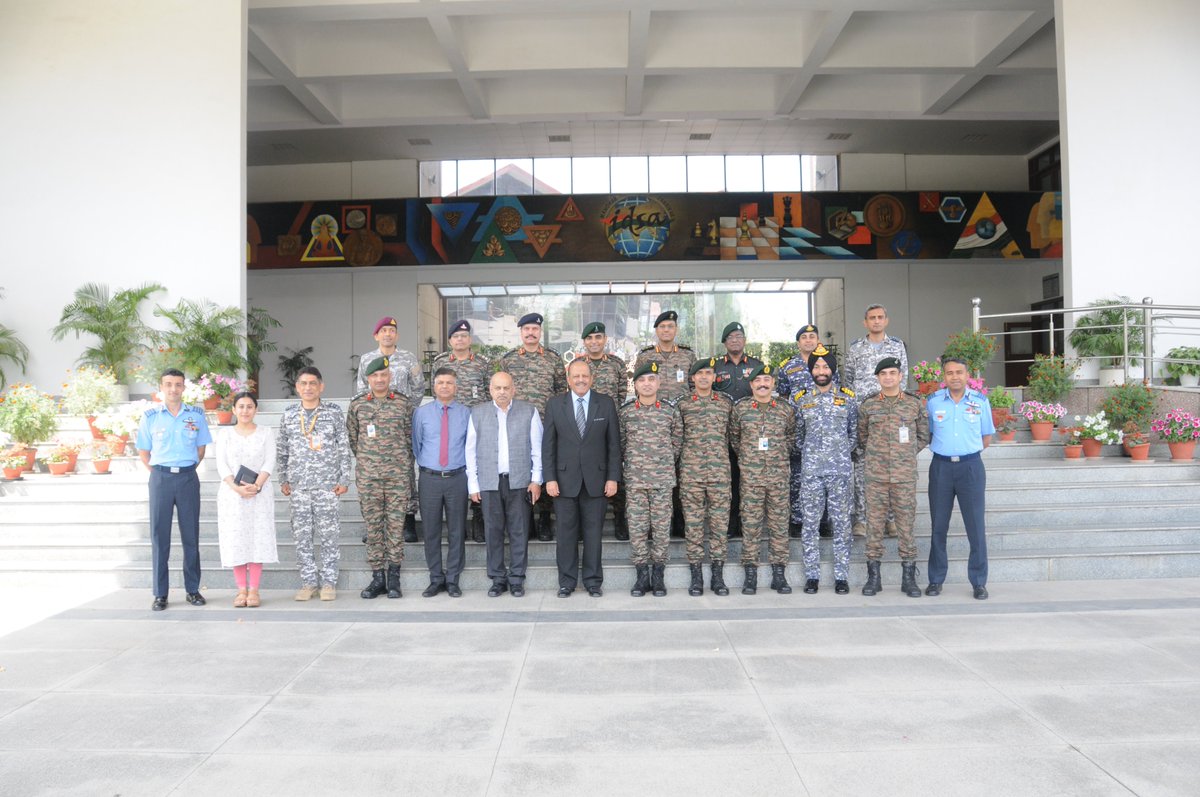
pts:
pixel 744 399
pixel 910 393
pixel 681 346
pixel 357 396
pixel 510 353
pixel 723 395
pixel 551 351
pixel 648 348
pixel 847 391
pixel 799 394
pixel 616 358
pixel 627 402
pixel 670 402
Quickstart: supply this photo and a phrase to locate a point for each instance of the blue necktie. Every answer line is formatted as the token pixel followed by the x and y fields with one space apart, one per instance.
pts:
pixel 580 416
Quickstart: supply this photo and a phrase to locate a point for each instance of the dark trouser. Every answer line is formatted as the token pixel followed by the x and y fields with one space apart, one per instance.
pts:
pixel 436 493
pixel 506 510
pixel 735 487
pixel 966 480
pixel 581 515
pixel 169 492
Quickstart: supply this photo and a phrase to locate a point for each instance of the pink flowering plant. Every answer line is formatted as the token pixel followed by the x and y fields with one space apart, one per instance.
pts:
pixel 1037 412
pixel 1177 426
pixel 223 387
pixel 926 371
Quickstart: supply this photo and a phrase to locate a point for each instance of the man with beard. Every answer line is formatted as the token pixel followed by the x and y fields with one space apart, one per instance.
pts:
pixel 793 378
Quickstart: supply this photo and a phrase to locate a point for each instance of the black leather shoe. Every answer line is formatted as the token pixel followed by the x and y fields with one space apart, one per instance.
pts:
pixel 477 526
pixel 565 592
pixel 158 605
pixel 517 590
pixel 841 587
pixel 595 592
pixel 194 598
pixel 498 588
pixel 454 590
pixel 545 528
pixel 410 529
pixel 795 531
pixel 433 589
pixel 933 589
pixel 981 593
pixel 811 585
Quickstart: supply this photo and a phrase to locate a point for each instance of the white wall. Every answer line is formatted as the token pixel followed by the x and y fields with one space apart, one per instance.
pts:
pixel 900 172
pixel 348 180
pixel 123 157
pixel 1127 73
pixel 830 303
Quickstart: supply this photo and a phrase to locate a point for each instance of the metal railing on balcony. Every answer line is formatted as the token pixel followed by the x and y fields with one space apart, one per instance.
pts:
pixel 1145 317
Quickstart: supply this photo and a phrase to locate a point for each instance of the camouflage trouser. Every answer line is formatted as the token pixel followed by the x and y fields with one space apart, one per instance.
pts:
pixel 384 503
pixel 617 502
pixel 898 499
pixel 649 515
pixel 836 492
pixel 797 507
pixel 410 506
pixel 764 501
pixel 858 507
pixel 315 521
pixel 705 501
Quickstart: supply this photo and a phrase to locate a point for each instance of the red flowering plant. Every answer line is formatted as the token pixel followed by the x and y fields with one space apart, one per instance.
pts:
pixel 1177 426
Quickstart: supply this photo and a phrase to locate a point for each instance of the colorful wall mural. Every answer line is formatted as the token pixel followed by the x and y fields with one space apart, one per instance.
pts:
pixel 637 227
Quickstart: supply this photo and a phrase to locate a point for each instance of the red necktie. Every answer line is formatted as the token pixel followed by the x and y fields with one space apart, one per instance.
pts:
pixel 444 449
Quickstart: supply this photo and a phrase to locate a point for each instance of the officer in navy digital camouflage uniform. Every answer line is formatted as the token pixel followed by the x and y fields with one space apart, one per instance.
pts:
pixel 826 433
pixel 794 377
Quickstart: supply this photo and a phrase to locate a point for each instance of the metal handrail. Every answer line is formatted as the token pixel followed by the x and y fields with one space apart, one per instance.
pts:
pixel 1150 314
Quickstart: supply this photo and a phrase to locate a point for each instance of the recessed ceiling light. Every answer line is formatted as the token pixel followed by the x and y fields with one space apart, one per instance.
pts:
pixel 419 142
pixel 837 136
pixel 560 139
pixel 975 138
pixel 283 146
pixel 700 137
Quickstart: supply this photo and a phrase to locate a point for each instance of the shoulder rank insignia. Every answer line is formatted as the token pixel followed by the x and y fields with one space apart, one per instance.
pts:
pixel 847 391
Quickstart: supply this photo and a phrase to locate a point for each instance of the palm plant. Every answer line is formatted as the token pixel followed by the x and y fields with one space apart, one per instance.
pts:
pixel 205 338
pixel 11 348
pixel 1100 333
pixel 258 325
pixel 114 319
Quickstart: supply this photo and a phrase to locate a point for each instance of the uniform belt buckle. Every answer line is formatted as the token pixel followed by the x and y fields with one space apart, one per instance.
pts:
pixel 954 459
pixel 174 470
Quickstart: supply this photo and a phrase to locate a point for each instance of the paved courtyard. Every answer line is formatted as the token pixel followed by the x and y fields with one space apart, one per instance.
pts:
pixel 1087 688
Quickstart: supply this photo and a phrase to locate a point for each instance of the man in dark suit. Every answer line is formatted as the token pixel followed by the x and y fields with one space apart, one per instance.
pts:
pixel 581 462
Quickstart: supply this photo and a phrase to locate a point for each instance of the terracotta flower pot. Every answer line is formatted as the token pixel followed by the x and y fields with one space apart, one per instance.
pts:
pixel 224 417
pixel 58 468
pixel 212 402
pixel 925 388
pixel 96 433
pixel 1139 453
pixel 1041 430
pixel 999 416
pixel 30 457
pixel 1182 450
pixel 1092 448
pixel 72 461
pixel 101 465
pixel 12 474
pixel 1006 437
pixel 1073 451
pixel 117 444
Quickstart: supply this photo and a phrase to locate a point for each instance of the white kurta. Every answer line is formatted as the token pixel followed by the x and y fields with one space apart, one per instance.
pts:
pixel 245 526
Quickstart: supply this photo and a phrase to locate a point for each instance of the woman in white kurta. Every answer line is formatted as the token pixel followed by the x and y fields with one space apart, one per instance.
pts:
pixel 246 512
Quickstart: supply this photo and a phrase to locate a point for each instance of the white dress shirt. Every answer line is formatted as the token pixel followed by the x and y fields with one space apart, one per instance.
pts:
pixel 502 459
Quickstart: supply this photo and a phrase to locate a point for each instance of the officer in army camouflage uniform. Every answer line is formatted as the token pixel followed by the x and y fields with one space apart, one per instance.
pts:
pixel 474 375
pixel 794 377
pixel 609 377
pixel 312 461
pixel 538 374
pixel 892 429
pixel 704 487
pixel 408 378
pixel 826 432
pixel 733 379
pixel 651 436
pixel 379 427
pixel 859 375
pixel 762 431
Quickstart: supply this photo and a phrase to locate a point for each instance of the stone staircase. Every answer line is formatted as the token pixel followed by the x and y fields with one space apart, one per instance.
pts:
pixel 1048 519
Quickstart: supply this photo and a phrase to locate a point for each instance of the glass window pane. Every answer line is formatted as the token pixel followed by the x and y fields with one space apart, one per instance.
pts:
pixel 743 173
pixel 438 178
pixel 552 175
pixel 514 176
pixel 668 174
pixel 705 173
pixel 630 175
pixel 781 173
pixel 820 172
pixel 477 178
pixel 589 176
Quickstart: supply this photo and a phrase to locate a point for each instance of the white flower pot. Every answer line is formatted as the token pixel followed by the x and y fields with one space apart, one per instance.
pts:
pixel 1189 380
pixel 1112 376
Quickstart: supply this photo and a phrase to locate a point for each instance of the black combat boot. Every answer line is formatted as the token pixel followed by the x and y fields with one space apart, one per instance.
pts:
pixel 393 581
pixel 873 585
pixel 811 586
pixel 622 526
pixel 410 528
pixel 750 584
pixel 779 580
pixel 476 523
pixel 643 581
pixel 545 529
pixel 377 587
pixel 697 587
pixel 795 530
pixel 717 581
pixel 656 580
pixel 841 586
pixel 908 579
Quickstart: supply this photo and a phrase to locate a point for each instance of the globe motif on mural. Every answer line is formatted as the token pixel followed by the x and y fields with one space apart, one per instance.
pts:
pixel 637 226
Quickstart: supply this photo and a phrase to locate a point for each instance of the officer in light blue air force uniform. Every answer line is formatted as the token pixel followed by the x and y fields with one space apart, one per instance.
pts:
pixel 960 422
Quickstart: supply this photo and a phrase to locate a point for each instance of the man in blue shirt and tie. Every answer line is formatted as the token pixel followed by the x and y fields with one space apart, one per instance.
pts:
pixel 960 422
pixel 440 449
pixel 171 441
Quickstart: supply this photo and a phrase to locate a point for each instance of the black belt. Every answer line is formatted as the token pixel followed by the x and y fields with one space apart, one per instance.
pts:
pixel 170 469
pixel 959 458
pixel 445 474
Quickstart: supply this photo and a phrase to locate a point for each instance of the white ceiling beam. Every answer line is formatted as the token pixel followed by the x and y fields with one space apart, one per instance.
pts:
pixel 283 73
pixel 635 75
pixel 835 22
pixel 451 43
pixel 989 63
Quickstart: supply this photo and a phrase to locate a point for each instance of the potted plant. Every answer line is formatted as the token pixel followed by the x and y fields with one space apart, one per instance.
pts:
pixel 13 465
pixel 118 426
pixel 1050 378
pixel 56 462
pixel 1136 442
pixel 223 390
pixel 28 416
pixel 290 366
pixel 89 391
pixel 114 319
pixel 13 350
pixel 71 448
pixel 928 376
pixel 1072 442
pixel 1133 402
pixel 1095 432
pixel 1041 417
pixel 1002 403
pixel 101 457
pixel 1179 430
pixel 1102 333
pixel 204 337
pixel 1006 432
pixel 258 325
pixel 973 348
pixel 1188 373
